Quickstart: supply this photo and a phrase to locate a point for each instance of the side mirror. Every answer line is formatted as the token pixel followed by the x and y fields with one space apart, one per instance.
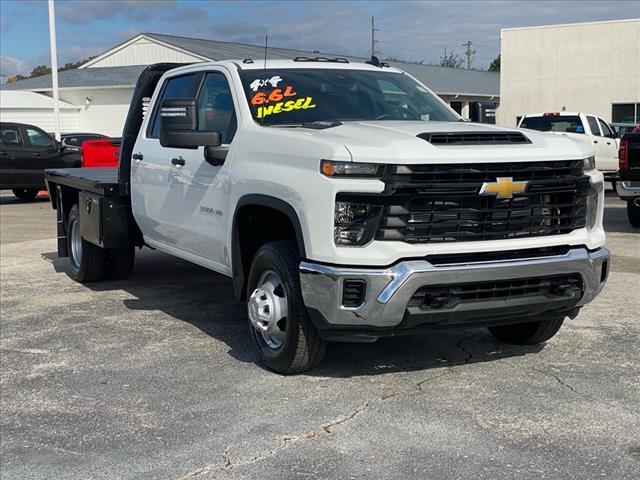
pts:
pixel 179 126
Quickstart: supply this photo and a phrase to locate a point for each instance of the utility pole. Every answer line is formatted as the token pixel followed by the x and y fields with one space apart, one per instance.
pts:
pixel 54 69
pixel 374 41
pixel 469 53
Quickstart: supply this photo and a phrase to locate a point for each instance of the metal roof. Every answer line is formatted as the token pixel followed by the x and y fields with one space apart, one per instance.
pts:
pixel 440 79
pixel 85 77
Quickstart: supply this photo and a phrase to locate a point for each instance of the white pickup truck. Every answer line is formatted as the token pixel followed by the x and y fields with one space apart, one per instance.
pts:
pixel 585 126
pixel 346 201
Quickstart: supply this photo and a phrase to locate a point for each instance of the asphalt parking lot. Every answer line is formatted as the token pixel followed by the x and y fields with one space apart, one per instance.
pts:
pixel 156 377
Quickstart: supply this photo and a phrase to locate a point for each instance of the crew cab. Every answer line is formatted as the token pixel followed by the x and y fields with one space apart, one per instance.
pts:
pixel 628 187
pixel 581 125
pixel 25 152
pixel 345 201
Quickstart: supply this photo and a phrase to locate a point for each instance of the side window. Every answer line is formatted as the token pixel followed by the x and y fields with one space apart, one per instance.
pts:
pixel 215 107
pixel 37 139
pixel 606 131
pixel 593 126
pixel 10 137
pixel 185 86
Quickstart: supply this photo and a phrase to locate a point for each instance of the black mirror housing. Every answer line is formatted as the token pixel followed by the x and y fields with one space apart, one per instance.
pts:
pixel 179 126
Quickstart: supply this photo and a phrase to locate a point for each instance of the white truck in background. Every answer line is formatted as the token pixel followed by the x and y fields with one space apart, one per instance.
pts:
pixel 581 126
pixel 347 202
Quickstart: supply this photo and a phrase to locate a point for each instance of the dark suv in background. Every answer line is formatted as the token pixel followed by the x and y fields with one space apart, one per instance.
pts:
pixel 25 151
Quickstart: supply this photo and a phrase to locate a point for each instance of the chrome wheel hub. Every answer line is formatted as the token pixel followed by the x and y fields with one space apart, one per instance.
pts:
pixel 268 309
pixel 76 244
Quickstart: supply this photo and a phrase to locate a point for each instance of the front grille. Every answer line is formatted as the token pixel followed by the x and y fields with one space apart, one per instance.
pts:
pixel 441 203
pixel 448 296
pixel 475 138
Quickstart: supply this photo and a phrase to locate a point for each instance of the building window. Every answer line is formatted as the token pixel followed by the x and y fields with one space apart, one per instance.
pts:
pixel 625 113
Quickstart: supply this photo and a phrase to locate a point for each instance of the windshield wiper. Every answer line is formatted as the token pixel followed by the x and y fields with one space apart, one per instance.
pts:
pixel 315 125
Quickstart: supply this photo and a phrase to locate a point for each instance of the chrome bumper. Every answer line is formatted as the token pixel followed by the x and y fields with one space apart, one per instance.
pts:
pixel 389 290
pixel 628 189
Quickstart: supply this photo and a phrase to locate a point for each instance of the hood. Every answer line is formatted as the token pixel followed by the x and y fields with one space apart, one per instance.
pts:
pixel 397 142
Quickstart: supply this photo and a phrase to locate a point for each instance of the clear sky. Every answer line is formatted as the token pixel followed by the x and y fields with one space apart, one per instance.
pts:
pixel 418 30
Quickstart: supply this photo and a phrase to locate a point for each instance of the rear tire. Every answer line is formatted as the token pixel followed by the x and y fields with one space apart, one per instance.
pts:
pixel 25 194
pixel 119 263
pixel 530 333
pixel 633 214
pixel 86 260
pixel 281 330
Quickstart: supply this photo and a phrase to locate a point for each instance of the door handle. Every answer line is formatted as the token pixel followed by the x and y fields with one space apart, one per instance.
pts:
pixel 36 154
pixel 3 153
pixel 137 156
pixel 608 143
pixel 178 161
pixel 595 141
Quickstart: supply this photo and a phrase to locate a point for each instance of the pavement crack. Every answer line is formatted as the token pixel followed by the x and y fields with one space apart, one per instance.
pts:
pixel 284 442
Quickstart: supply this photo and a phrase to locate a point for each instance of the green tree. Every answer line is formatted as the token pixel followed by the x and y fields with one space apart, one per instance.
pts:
pixel 39 71
pixel 452 60
pixel 495 65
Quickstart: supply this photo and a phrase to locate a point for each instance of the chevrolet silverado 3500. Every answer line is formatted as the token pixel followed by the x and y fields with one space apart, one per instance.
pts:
pixel 346 201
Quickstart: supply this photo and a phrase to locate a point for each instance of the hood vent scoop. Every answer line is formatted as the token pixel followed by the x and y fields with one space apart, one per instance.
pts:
pixel 475 138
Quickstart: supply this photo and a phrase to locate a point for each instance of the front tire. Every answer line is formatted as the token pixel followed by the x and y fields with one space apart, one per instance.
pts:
pixel 25 194
pixel 281 330
pixel 530 333
pixel 633 214
pixel 86 260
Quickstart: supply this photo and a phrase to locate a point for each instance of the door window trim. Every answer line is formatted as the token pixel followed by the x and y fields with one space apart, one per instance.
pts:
pixel 156 106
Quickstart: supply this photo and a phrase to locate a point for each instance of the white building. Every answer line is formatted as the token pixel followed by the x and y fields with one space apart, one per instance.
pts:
pixel 100 90
pixel 584 67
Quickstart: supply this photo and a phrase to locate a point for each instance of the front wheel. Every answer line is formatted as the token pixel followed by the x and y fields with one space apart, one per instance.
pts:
pixel 633 213
pixel 281 330
pixel 530 333
pixel 25 194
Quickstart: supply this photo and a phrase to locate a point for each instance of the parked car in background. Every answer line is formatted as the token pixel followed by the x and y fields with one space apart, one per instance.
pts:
pixel 628 186
pixel 101 153
pixel 74 141
pixel 623 128
pixel 581 125
pixel 25 152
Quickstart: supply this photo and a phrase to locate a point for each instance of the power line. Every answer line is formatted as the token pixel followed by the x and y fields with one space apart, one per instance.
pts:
pixel 469 53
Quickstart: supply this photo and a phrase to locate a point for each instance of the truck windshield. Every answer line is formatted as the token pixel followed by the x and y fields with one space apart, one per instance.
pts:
pixel 554 123
pixel 297 96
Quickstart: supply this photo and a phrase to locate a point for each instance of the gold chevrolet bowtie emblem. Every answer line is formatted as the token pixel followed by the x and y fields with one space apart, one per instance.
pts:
pixel 503 187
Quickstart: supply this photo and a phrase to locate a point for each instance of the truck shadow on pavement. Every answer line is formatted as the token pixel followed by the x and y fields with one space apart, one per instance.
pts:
pixel 615 216
pixel 204 299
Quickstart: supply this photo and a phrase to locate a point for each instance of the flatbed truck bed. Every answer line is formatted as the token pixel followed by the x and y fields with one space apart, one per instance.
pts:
pixel 101 181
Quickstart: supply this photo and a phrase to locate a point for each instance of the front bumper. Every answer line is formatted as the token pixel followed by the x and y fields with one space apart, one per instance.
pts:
pixel 628 189
pixel 388 292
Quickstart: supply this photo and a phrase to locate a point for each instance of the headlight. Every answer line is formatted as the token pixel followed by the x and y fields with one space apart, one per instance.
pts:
pixel 330 168
pixel 589 163
pixel 355 224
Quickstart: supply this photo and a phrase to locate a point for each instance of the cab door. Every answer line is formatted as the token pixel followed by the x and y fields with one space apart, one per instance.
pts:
pixel 156 180
pixel 609 145
pixel 205 182
pixel 605 161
